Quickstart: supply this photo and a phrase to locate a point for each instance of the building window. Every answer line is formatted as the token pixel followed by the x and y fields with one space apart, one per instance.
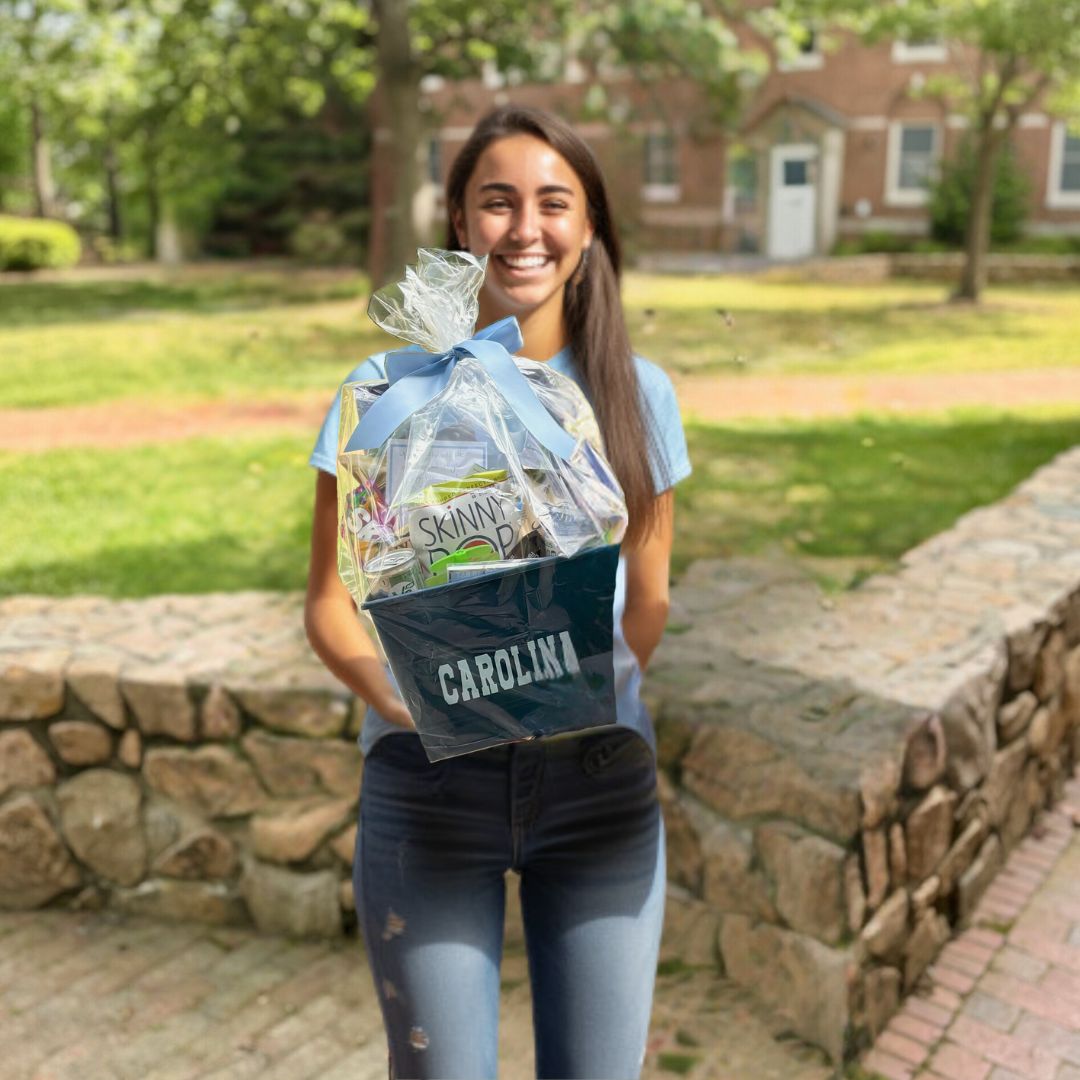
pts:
pixel 916 157
pixel 926 49
pixel 741 190
pixel 809 56
pixel 796 173
pixel 744 182
pixel 1063 185
pixel 661 167
pixel 912 162
pixel 1069 177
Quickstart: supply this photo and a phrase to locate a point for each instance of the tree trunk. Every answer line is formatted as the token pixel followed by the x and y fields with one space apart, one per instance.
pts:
pixel 44 187
pixel 112 192
pixel 399 129
pixel 168 243
pixel 153 195
pixel 112 181
pixel 977 244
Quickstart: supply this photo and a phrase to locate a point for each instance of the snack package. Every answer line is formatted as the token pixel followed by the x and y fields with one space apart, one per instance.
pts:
pixel 473 495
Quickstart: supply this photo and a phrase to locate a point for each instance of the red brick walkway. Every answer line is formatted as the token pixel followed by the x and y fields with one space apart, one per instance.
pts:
pixel 709 398
pixel 1002 1001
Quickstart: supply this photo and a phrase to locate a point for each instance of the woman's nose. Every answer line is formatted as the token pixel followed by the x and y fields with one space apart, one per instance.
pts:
pixel 526 225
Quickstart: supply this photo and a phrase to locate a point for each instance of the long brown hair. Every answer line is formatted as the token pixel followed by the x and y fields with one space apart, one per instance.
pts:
pixel 592 306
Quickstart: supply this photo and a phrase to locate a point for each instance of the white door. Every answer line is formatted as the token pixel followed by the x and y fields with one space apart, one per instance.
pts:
pixel 792 201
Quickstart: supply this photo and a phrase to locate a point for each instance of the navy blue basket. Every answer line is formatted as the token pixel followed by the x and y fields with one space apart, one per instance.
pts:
pixel 511 655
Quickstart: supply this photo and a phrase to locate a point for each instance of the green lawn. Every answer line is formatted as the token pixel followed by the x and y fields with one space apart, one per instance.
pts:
pixel 214 514
pixel 193 516
pixel 866 489
pixel 208 333
pixel 191 337
pixel 848 496
pixel 729 324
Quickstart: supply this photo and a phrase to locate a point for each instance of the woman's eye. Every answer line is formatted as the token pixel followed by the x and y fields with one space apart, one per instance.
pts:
pixel 555 204
pixel 496 204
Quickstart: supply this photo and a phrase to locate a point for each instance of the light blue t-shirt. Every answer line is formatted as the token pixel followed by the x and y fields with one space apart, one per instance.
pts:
pixel 670 463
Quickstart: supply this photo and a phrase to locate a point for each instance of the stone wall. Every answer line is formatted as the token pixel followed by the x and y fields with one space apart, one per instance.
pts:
pixel 843 775
pixel 1001 269
pixel 840 775
pixel 943 266
pixel 182 757
pixel 862 269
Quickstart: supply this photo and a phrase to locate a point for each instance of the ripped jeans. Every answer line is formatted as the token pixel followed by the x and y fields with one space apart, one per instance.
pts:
pixel 578 819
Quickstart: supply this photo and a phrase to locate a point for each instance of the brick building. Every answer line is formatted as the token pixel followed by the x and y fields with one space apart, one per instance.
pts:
pixel 833 143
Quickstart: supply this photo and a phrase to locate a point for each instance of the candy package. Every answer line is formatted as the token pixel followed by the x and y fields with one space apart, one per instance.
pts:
pixel 473 494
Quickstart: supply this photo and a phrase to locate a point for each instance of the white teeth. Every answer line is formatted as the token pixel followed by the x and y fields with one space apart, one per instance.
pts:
pixel 524 262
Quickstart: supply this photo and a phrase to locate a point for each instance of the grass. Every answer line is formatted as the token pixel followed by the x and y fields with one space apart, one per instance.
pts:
pixel 855 1071
pixel 254 335
pixel 768 326
pixel 90 296
pixel 862 489
pixel 233 514
pixel 674 966
pixel 680 1064
pixel 194 516
pixel 208 514
pixel 212 332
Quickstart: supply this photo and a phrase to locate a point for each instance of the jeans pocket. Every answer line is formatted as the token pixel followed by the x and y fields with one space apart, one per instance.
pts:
pixel 615 753
pixel 398 765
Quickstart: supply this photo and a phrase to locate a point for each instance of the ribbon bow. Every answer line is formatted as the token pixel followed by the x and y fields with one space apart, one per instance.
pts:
pixel 415 377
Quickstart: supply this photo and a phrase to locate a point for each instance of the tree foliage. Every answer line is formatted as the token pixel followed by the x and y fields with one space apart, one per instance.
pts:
pixel 139 118
pixel 649 42
pixel 950 197
pixel 146 102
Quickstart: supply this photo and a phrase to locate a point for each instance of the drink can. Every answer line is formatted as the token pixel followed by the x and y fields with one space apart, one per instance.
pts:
pixel 393 574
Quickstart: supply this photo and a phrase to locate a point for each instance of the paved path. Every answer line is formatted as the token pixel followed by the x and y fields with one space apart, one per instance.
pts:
pixel 96 997
pixel 140 423
pixel 715 398
pixel 1002 1001
pixel 712 398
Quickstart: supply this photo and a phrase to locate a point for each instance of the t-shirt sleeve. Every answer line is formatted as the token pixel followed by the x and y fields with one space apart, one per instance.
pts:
pixel 668 455
pixel 324 453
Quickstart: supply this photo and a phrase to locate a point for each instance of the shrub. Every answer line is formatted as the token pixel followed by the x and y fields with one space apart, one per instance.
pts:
pixel 322 241
pixel 37 244
pixel 876 242
pixel 1044 245
pixel 112 252
pixel 950 198
pixel 925 245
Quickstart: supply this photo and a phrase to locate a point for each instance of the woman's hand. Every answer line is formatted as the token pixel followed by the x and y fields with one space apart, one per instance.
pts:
pixel 648 567
pixel 330 618
pixel 394 710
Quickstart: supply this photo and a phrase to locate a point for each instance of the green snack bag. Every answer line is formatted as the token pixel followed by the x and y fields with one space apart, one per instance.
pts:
pixel 445 490
pixel 483 514
pixel 440 568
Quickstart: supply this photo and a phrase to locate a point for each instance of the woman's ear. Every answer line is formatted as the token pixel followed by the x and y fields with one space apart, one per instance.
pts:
pixel 458 218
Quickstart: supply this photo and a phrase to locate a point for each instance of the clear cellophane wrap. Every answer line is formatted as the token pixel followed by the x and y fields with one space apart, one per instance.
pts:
pixel 462 486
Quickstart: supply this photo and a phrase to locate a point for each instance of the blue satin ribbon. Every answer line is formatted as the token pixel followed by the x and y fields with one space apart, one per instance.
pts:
pixel 415 377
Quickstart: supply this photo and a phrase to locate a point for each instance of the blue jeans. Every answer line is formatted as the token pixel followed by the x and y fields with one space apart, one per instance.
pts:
pixel 578 819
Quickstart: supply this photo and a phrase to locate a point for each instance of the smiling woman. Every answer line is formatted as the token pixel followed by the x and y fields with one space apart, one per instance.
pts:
pixel 575 817
pixel 523 207
pixel 528 192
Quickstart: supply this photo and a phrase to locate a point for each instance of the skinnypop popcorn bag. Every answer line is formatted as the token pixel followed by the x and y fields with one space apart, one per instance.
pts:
pixel 478 522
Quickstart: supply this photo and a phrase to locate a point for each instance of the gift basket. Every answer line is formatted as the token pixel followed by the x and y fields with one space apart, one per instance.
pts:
pixel 479 522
